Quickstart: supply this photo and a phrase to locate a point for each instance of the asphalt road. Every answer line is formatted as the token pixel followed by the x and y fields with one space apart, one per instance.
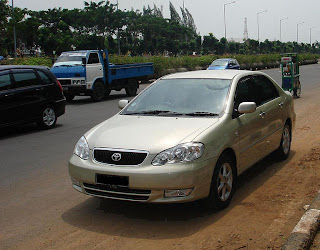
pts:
pixel 33 164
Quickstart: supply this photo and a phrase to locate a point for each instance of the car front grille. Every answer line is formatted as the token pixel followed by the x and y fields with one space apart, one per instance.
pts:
pixel 65 82
pixel 119 157
pixel 116 192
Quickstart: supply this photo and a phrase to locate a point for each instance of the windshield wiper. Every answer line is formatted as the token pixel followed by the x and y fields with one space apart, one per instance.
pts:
pixel 153 112
pixel 202 114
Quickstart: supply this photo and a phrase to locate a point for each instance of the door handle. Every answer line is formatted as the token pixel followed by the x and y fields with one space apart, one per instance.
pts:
pixel 7 95
pixel 281 104
pixel 39 89
pixel 262 114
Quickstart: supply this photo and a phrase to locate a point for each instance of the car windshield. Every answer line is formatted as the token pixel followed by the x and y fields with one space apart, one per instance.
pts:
pixel 193 97
pixel 219 63
pixel 71 57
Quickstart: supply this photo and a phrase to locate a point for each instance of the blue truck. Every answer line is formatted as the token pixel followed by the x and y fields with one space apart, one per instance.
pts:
pixel 89 73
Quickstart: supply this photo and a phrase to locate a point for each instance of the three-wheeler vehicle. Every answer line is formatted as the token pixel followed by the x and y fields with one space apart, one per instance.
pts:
pixel 290 73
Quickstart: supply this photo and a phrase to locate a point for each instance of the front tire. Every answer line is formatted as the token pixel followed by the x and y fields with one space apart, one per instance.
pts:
pixel 98 92
pixel 48 118
pixel 223 183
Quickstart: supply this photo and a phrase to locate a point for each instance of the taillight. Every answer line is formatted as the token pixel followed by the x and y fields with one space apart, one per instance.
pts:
pixel 60 86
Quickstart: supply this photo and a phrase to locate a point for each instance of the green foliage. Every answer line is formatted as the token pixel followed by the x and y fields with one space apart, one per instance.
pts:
pixel 44 61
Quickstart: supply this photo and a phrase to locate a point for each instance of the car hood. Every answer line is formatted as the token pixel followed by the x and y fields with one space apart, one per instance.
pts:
pixel 68 71
pixel 150 133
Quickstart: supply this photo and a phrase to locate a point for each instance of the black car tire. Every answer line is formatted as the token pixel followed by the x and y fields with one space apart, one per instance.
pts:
pixel 131 89
pixel 283 151
pixel 221 194
pixel 48 118
pixel 69 97
pixel 98 92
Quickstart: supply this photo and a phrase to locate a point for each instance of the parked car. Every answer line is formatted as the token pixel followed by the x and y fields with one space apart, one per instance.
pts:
pixel 224 63
pixel 30 94
pixel 186 137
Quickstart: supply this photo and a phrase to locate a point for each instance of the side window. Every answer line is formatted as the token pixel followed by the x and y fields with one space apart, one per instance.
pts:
pixel 267 89
pixel 93 58
pixel 44 77
pixel 244 91
pixel 25 79
pixel 5 82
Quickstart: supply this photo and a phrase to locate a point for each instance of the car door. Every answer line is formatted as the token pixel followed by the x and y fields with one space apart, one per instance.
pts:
pixel 270 104
pixel 7 99
pixel 250 125
pixel 94 68
pixel 29 92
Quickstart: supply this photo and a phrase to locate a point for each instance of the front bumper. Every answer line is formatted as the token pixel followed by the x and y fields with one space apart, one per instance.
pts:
pixel 147 183
pixel 76 90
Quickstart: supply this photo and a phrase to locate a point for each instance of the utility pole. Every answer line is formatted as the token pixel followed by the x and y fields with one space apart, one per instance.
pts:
pixel 224 15
pixel 298 31
pixel 14 33
pixel 258 22
pixel 310 35
pixel 118 37
pixel 280 27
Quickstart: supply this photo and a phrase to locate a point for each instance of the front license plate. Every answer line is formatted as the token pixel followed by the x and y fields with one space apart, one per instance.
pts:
pixel 112 180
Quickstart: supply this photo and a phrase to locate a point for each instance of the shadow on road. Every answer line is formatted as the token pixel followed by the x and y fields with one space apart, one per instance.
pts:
pixel 21 130
pixel 141 220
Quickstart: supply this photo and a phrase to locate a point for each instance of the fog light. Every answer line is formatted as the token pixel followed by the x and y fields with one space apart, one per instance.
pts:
pixel 75 182
pixel 178 192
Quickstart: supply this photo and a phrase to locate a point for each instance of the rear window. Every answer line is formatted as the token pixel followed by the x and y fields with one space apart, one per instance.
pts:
pixel 5 82
pixel 25 79
pixel 44 77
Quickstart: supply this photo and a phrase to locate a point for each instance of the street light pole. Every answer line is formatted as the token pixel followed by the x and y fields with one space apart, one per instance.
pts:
pixel 224 15
pixel 298 31
pixel 118 37
pixel 310 35
pixel 14 33
pixel 280 26
pixel 258 22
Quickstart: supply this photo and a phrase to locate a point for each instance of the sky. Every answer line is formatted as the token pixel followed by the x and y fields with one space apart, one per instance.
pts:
pixel 209 15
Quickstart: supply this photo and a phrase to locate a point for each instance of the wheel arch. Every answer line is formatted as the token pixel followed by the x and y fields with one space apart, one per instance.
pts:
pixel 230 153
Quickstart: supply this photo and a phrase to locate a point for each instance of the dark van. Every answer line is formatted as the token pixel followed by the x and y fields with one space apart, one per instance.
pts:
pixel 30 94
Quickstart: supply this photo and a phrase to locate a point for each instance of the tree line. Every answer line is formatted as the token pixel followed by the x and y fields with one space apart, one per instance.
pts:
pixel 101 25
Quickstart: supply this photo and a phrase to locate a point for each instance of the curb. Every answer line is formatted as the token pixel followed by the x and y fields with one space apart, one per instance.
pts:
pixel 304 232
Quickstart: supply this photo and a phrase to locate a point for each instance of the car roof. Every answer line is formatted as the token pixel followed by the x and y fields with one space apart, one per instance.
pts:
pixel 8 67
pixel 217 74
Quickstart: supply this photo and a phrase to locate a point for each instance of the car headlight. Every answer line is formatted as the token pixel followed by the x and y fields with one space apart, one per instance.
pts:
pixel 82 148
pixel 185 152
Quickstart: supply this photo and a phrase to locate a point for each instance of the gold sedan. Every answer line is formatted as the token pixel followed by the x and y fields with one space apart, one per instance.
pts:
pixel 185 137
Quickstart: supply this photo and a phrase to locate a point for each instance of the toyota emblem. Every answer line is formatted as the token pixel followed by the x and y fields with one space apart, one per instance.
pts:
pixel 116 157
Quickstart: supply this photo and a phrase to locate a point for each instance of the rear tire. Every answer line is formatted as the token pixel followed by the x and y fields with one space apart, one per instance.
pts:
pixel 48 118
pixel 98 91
pixel 223 183
pixel 283 151
pixel 297 92
pixel 132 88
pixel 69 97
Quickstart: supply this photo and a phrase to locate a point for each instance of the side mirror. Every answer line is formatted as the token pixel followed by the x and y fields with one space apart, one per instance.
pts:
pixel 247 107
pixel 84 61
pixel 122 103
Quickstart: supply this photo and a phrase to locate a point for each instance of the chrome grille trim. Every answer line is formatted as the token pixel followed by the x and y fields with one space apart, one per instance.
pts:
pixel 115 150
pixel 139 195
